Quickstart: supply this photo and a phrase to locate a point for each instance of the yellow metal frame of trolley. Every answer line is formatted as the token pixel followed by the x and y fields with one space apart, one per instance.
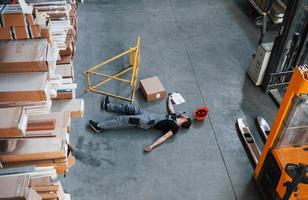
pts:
pixel 134 60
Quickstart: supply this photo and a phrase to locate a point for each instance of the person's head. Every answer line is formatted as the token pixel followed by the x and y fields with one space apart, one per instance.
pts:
pixel 185 121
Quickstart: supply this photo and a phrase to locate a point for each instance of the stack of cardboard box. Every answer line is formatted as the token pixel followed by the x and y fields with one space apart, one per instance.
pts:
pixel 59 20
pixel 32 184
pixel 15 24
pixel 37 95
pixel 54 27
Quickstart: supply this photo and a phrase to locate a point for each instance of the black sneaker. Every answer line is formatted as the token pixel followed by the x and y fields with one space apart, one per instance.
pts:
pixel 95 126
pixel 105 103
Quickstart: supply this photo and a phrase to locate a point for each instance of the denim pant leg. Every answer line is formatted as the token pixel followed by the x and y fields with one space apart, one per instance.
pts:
pixel 119 122
pixel 126 109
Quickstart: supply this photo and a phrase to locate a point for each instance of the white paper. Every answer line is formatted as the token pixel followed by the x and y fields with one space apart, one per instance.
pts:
pixel 177 98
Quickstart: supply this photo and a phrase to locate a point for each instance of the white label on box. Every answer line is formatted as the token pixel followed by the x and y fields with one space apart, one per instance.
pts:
pixel 158 96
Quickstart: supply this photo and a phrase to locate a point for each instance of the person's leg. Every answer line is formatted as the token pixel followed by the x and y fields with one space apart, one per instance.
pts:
pixel 126 109
pixel 143 121
pixel 123 121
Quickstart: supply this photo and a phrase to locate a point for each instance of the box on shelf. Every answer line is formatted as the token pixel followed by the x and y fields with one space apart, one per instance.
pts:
pixel 74 106
pixel 31 184
pixel 29 86
pixel 23 55
pixel 5 33
pixel 13 122
pixel 20 32
pixel 31 35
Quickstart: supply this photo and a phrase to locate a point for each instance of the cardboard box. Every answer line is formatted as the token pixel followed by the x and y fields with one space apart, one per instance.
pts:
pixel 74 106
pixel 65 60
pixel 17 19
pixel 31 149
pixel 72 31
pixel 45 33
pixel 14 19
pixel 35 31
pixel 23 87
pixel 23 55
pixel 29 19
pixel 69 42
pixel 64 94
pixel 5 33
pixel 14 186
pixel 152 89
pixel 21 32
pixel 13 122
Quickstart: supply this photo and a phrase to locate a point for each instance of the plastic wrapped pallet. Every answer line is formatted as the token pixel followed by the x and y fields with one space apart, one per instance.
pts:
pixel 24 55
pixel 36 149
pixel 13 122
pixel 30 86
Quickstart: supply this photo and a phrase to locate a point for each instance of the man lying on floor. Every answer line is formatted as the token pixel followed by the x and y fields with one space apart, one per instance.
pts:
pixel 133 116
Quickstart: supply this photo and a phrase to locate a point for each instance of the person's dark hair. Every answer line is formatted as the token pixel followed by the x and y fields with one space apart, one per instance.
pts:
pixel 186 124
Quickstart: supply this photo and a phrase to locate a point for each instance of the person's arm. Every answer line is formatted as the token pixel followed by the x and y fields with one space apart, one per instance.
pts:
pixel 170 106
pixel 159 141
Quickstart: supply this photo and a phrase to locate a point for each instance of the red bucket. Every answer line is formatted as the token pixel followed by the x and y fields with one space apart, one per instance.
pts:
pixel 201 113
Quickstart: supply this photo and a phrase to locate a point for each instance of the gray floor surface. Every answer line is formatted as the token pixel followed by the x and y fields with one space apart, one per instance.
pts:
pixel 200 48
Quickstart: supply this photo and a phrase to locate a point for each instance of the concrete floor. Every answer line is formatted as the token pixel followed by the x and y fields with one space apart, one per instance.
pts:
pixel 200 48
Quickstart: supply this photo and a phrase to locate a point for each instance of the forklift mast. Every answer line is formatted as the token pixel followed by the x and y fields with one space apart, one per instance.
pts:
pixel 281 172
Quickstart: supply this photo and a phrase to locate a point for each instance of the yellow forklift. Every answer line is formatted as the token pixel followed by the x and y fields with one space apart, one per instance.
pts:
pixel 281 168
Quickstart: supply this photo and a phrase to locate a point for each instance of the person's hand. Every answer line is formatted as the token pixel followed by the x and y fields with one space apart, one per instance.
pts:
pixel 148 149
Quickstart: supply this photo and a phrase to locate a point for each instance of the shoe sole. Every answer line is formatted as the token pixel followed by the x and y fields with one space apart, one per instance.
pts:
pixel 94 129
